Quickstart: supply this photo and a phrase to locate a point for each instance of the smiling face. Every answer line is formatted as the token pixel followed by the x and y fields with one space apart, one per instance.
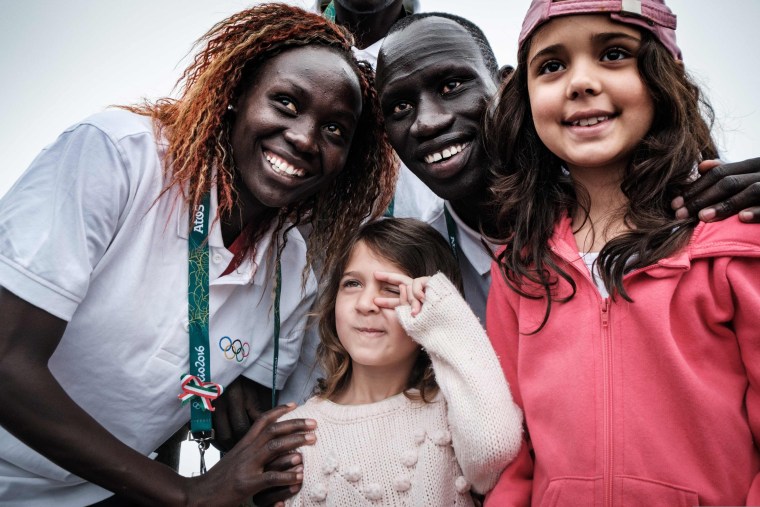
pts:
pixel 589 103
pixel 371 335
pixel 293 126
pixel 434 87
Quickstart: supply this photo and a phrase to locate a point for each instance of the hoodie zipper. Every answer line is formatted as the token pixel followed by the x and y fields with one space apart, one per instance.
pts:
pixel 608 402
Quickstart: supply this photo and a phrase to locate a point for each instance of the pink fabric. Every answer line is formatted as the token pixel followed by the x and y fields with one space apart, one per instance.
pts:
pixel 655 402
pixel 654 16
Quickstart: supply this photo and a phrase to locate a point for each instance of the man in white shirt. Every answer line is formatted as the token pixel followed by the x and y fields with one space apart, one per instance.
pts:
pixel 435 76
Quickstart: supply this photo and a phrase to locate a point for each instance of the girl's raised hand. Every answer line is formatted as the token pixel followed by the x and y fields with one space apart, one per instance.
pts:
pixel 411 290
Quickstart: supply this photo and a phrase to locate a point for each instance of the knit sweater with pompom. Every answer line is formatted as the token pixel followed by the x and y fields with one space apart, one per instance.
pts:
pixel 404 452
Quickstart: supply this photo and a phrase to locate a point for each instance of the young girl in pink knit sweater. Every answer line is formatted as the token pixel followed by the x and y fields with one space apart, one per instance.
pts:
pixel 414 408
pixel 630 337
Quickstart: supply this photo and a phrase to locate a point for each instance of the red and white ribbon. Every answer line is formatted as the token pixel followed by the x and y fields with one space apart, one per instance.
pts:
pixel 207 392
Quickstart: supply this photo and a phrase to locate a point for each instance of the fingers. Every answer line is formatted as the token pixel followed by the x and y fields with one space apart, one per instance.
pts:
pixel 414 300
pixel 706 165
pixel 274 487
pixel 234 411
pixel 403 292
pixel 723 191
pixel 418 287
pixel 750 215
pixel 279 437
pixel 393 278
pixel 286 462
pixel 389 303
pixel 411 291
pixel 275 497
pixel 742 191
pixel 416 294
pixel 222 433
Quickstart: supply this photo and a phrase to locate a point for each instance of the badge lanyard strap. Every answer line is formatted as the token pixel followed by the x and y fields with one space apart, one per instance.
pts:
pixel 197 387
pixel 451 230
pixel 197 314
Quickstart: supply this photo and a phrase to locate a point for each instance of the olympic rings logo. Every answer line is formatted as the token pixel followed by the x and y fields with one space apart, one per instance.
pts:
pixel 234 349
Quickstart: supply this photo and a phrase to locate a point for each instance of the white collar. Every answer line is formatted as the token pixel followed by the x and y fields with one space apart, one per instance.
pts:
pixel 471 245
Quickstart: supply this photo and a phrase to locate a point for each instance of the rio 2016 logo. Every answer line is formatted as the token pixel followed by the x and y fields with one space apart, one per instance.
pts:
pixel 234 349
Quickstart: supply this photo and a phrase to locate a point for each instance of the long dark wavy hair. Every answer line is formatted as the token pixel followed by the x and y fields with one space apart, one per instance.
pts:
pixel 198 125
pixel 417 250
pixel 532 194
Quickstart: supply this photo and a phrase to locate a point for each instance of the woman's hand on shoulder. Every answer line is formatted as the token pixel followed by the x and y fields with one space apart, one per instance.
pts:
pixel 722 191
pixel 411 290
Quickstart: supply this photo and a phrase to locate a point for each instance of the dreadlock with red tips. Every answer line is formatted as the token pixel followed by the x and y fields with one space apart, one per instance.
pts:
pixel 198 126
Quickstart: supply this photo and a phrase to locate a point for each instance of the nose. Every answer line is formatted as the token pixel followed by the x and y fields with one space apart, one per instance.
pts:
pixel 583 80
pixel 432 118
pixel 303 136
pixel 365 302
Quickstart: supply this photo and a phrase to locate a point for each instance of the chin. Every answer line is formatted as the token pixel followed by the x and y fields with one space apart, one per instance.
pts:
pixel 464 185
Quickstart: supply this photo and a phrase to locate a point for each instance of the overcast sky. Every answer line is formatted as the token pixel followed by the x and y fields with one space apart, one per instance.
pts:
pixel 64 60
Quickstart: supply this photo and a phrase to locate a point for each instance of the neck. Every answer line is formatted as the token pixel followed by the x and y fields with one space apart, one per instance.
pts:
pixel 476 211
pixel 370 385
pixel 246 210
pixel 605 219
pixel 370 27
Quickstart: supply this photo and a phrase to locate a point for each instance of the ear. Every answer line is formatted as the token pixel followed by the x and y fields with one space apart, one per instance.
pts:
pixel 504 72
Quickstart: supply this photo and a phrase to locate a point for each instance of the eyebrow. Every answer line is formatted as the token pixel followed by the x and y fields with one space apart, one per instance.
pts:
pixel 597 38
pixel 345 114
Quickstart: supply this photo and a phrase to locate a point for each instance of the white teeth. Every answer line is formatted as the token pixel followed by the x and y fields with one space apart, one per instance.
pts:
pixel 282 167
pixel 447 152
pixel 587 122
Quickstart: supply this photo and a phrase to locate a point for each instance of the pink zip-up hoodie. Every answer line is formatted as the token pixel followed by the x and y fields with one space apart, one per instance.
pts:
pixel 655 402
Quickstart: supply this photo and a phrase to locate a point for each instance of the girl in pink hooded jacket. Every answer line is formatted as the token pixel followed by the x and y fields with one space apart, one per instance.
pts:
pixel 629 336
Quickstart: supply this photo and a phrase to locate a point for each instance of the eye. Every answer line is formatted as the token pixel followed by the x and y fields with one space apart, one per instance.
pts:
pixel 401 107
pixel 614 54
pixel 391 289
pixel 287 103
pixel 334 128
pixel 450 86
pixel 550 67
pixel 349 283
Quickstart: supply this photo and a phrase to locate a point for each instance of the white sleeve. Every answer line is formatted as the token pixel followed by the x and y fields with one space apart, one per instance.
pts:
pixel 486 425
pixel 59 218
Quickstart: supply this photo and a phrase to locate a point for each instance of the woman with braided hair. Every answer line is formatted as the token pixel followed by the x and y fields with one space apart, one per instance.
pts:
pixel 150 255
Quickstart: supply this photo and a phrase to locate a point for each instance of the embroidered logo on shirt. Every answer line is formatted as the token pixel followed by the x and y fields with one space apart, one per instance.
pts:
pixel 234 349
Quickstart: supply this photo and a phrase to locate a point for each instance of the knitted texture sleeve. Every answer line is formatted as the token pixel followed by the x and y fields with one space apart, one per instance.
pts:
pixel 486 425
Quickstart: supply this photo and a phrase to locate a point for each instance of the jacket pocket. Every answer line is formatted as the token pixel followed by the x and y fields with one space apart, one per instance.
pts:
pixel 571 492
pixel 641 491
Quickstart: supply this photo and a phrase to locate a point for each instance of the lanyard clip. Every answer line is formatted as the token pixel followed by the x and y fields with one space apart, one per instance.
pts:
pixel 203 439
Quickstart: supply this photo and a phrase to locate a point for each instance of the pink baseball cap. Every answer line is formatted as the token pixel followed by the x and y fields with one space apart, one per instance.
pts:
pixel 651 15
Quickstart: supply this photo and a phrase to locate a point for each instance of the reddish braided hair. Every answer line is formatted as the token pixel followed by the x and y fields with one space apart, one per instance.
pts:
pixel 197 125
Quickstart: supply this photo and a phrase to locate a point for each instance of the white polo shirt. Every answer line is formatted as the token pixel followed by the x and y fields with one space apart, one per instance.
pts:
pixel 474 260
pixel 83 237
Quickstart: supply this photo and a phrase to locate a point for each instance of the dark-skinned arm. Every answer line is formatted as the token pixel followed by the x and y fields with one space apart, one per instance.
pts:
pixel 722 191
pixel 40 414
